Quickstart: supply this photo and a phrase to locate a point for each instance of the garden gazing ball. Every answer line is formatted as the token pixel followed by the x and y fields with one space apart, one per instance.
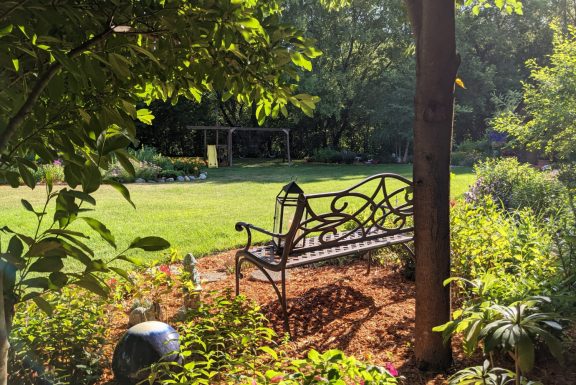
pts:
pixel 141 346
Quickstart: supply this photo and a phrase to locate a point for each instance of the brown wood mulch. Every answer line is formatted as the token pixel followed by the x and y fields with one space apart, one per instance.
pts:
pixel 340 307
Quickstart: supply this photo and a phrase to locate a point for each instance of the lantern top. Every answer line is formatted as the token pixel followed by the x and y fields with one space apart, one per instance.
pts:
pixel 292 188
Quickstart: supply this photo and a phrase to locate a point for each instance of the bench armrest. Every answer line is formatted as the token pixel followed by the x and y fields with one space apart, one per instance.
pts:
pixel 248 227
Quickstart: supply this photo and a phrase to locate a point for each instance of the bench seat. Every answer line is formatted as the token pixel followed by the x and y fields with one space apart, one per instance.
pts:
pixel 304 256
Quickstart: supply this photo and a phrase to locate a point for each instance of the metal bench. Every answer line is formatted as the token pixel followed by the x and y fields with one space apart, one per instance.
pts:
pixel 373 214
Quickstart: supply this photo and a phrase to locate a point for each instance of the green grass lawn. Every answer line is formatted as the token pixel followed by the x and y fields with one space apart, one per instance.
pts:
pixel 199 217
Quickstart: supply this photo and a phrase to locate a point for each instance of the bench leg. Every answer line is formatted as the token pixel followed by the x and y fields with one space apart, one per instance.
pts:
pixel 369 255
pixel 284 303
pixel 237 272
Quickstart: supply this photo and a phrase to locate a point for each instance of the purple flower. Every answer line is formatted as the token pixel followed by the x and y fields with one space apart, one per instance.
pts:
pixel 57 162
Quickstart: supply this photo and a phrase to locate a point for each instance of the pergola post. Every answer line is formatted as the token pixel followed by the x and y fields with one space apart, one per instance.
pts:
pixel 287 132
pixel 230 132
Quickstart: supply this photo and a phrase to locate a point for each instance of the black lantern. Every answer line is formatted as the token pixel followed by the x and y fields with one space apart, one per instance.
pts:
pixel 286 203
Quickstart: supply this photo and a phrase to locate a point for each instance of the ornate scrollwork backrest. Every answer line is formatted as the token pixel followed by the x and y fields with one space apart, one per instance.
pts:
pixel 378 206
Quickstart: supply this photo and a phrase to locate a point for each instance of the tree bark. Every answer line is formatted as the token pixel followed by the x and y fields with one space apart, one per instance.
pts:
pixel 4 343
pixel 436 68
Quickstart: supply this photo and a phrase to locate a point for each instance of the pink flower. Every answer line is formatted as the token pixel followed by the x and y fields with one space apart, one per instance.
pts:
pixel 276 379
pixel 57 162
pixel 112 282
pixel 165 269
pixel 254 382
pixel 391 369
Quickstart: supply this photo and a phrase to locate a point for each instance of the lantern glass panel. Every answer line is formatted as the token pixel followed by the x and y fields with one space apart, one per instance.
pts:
pixel 286 203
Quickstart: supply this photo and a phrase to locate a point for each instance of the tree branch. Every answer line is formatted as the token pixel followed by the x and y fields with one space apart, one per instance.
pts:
pixel 43 80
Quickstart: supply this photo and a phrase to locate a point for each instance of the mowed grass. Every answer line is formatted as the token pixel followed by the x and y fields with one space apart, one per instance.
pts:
pixel 199 217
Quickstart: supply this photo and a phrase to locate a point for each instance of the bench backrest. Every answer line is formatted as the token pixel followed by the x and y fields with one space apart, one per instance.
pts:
pixel 379 206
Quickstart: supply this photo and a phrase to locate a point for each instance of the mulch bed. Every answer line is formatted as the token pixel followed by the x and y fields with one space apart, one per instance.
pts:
pixel 340 307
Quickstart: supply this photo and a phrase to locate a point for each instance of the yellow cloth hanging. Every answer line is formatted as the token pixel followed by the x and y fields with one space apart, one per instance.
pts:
pixel 212 156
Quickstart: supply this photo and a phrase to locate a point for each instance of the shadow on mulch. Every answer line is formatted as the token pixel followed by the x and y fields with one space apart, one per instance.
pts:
pixel 332 302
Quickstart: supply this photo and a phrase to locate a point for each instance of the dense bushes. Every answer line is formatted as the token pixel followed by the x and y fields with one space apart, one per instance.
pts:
pixel 470 152
pixel 518 186
pixel 62 348
pixel 329 155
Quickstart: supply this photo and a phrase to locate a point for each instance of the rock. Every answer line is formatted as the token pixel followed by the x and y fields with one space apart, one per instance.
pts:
pixel 170 180
pixel 151 181
pixel 141 346
pixel 186 179
pixel 192 177
pixel 213 276
pixel 180 178
pixel 140 180
pixel 143 314
pixel 161 180
pixel 202 176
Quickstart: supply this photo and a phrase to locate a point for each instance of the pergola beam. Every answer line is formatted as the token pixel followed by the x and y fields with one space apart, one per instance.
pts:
pixel 231 130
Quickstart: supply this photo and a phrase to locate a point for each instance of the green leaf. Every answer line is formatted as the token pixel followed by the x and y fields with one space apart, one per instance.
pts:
pixel 42 248
pixel 15 247
pixel 270 351
pixel 43 305
pixel 58 279
pixel 38 282
pixel 26 175
pixel 101 229
pixel 92 284
pixel 122 273
pixel 149 244
pixel 122 189
pixel 145 116
pixel 301 61
pixel 6 30
pixel 47 265
pixel 91 178
pixel 124 160
pixel 133 261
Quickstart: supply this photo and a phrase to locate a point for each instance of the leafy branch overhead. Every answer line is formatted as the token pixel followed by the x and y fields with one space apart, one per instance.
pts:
pixel 73 74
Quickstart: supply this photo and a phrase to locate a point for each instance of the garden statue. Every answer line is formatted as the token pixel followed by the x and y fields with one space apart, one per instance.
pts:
pixel 141 346
pixel 193 287
pixel 140 314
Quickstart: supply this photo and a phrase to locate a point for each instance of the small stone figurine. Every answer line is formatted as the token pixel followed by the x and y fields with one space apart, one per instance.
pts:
pixel 190 268
pixel 192 297
pixel 145 313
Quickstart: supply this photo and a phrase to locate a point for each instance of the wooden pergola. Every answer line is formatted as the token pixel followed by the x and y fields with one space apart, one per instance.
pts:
pixel 232 130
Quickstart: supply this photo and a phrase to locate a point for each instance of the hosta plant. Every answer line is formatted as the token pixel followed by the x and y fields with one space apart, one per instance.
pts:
pixel 485 375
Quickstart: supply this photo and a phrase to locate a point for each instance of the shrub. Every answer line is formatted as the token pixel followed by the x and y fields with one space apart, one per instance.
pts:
pixel 64 348
pixel 189 166
pixel 50 172
pixel 512 245
pixel 518 186
pixel 222 338
pixel 326 155
pixel 470 152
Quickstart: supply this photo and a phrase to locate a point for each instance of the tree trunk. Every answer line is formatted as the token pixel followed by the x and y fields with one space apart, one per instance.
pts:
pixel 4 343
pixel 436 66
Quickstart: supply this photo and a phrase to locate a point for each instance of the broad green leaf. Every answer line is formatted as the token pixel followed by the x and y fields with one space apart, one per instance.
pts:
pixel 145 115
pixel 43 305
pixel 149 244
pixel 101 229
pixel 122 189
pixel 91 178
pixel 47 264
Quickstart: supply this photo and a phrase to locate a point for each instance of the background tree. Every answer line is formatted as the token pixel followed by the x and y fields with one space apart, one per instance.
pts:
pixel 546 119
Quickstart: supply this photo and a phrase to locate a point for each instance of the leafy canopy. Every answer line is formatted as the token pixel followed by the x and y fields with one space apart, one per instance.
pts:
pixel 547 119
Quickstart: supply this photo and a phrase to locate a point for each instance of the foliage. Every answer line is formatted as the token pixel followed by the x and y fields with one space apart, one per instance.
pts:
pixel 329 155
pixel 330 367
pixel 515 328
pixel 518 186
pixel 227 340
pixel 512 246
pixel 546 120
pixel 50 173
pixel 470 152
pixel 64 348
pixel 224 337
pixel 34 264
pixel 485 375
